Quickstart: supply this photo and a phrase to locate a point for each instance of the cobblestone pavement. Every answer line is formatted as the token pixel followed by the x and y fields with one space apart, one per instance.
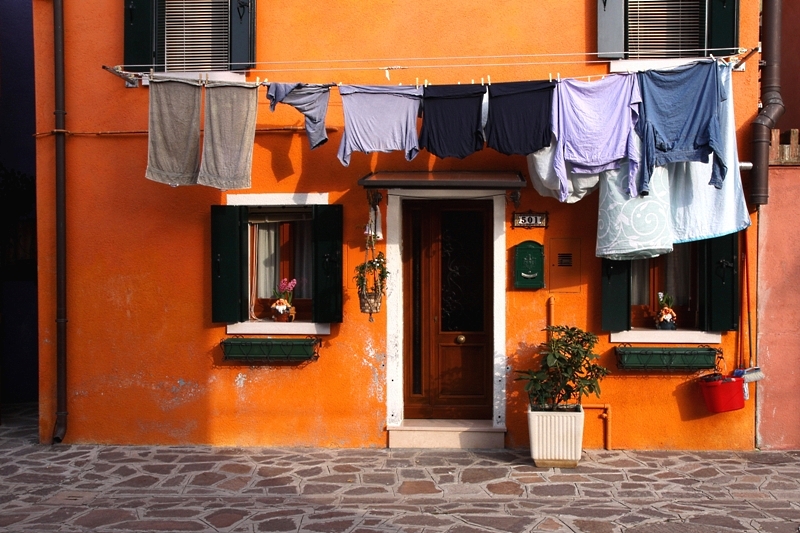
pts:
pixel 78 488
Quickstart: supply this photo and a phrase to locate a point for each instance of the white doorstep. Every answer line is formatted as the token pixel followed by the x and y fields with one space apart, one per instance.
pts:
pixel 440 433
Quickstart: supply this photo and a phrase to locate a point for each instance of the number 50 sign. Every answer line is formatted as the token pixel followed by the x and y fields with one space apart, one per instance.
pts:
pixel 529 220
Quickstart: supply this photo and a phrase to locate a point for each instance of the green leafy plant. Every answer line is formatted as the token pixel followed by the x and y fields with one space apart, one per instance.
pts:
pixel 371 275
pixel 665 300
pixel 567 370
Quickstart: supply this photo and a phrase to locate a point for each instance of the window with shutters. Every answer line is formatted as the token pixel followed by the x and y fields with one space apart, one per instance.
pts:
pixel 643 29
pixel 702 277
pixel 253 248
pixel 189 35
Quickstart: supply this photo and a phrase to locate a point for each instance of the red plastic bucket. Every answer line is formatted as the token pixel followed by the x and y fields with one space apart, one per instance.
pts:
pixel 723 395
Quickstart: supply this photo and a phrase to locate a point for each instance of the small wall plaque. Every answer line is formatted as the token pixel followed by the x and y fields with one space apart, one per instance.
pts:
pixel 529 220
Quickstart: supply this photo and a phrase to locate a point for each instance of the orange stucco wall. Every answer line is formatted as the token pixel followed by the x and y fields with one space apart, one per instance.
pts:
pixel 144 363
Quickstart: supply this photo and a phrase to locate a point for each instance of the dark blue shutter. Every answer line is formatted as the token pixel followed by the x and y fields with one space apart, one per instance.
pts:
pixel 139 36
pixel 328 286
pixel 242 34
pixel 616 295
pixel 719 287
pixel 229 294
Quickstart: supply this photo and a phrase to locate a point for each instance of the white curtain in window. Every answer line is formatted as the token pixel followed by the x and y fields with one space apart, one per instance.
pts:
pixel 268 257
pixel 640 282
pixel 679 273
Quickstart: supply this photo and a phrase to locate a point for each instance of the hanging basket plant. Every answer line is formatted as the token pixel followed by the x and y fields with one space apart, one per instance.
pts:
pixel 371 281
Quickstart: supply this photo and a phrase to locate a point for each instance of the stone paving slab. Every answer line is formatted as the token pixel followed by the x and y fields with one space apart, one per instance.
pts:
pixel 81 488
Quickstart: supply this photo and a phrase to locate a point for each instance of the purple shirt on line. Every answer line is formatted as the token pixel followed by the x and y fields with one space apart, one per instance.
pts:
pixel 594 124
pixel 379 118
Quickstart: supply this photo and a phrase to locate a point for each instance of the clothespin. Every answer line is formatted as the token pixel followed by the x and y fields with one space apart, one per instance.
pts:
pixel 473 81
pixel 387 74
pixel 426 83
pixel 589 78
pixel 551 76
pixel 459 83
pixel 558 76
pixel 482 81
pixel 489 78
pixel 258 81
pixel 416 83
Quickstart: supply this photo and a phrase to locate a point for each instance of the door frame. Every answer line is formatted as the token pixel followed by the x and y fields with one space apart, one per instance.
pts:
pixel 394 297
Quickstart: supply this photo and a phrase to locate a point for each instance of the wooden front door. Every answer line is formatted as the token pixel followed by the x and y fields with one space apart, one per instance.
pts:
pixel 447 271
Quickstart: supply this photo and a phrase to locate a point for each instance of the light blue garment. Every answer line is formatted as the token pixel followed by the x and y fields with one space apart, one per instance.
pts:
pixel 680 118
pixel 544 179
pixel 700 211
pixel 593 123
pixel 379 118
pixel 311 100
pixel 633 228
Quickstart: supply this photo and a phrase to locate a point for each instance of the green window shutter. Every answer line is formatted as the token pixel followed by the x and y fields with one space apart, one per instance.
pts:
pixel 229 298
pixel 616 295
pixel 139 43
pixel 723 26
pixel 242 34
pixel 328 287
pixel 719 305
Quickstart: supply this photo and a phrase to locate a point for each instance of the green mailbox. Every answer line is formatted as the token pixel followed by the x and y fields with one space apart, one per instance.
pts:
pixel 528 265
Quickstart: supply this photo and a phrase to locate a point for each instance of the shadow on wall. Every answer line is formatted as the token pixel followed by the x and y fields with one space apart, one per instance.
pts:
pixel 19 355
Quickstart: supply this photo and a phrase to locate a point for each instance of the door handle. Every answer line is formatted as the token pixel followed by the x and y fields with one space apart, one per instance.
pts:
pixel 461 339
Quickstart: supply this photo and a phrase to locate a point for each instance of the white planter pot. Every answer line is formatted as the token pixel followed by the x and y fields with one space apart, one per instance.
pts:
pixel 556 437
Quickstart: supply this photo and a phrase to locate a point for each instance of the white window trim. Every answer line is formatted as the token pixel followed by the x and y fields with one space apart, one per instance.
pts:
pixel 278 328
pixel 213 75
pixel 638 65
pixel 658 336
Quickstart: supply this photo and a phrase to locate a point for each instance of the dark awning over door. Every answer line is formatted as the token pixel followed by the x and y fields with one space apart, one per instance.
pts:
pixel 443 180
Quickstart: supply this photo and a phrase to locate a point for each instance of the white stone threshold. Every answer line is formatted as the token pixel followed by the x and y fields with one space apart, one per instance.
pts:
pixel 440 433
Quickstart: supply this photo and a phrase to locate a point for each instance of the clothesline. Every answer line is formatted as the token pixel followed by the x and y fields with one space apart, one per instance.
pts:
pixel 394 63
pixel 671 52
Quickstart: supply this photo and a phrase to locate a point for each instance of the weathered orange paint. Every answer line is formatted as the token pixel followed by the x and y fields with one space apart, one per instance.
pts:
pixel 777 347
pixel 144 363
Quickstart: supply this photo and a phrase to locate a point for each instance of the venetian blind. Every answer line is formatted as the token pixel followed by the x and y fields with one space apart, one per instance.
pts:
pixel 196 35
pixel 666 28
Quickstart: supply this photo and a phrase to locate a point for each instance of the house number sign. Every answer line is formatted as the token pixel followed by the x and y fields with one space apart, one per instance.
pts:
pixel 529 220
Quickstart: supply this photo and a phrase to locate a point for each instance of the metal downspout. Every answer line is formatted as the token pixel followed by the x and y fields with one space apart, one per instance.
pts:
pixel 61 227
pixel 772 103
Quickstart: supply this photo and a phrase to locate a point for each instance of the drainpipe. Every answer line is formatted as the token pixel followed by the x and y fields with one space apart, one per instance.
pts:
pixel 61 227
pixel 771 101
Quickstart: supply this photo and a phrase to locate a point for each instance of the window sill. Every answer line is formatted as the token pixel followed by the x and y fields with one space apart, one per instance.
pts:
pixel 278 328
pixel 636 65
pixel 213 75
pixel 657 336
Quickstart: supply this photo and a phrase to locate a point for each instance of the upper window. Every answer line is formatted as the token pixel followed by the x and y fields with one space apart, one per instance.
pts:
pixel 637 29
pixel 189 35
pixel 254 248
pixel 701 277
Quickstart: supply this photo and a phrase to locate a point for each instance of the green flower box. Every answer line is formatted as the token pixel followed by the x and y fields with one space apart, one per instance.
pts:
pixel 629 358
pixel 273 350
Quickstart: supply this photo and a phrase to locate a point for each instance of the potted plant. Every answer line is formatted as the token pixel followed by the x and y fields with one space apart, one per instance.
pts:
pixel 282 309
pixel 371 283
pixel 567 371
pixel 666 317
